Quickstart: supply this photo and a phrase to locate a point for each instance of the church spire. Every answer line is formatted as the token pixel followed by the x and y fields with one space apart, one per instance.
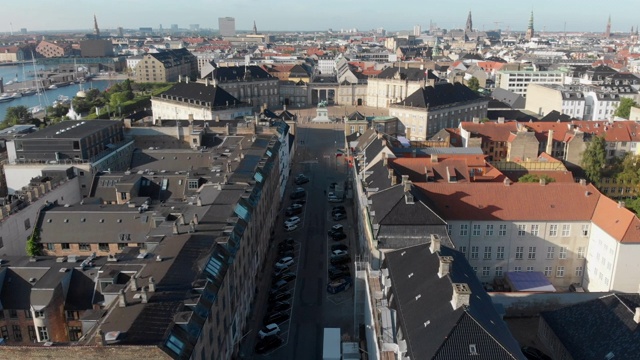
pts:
pixel 255 29
pixel 607 33
pixel 529 35
pixel 469 26
pixel 96 30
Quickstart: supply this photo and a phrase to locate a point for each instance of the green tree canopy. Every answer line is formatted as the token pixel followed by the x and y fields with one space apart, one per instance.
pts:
pixel 531 178
pixel 624 108
pixel 594 159
pixel 629 170
pixel 473 84
pixel 17 114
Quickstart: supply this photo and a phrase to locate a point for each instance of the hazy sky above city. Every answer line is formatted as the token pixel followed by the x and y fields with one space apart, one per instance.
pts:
pixel 586 15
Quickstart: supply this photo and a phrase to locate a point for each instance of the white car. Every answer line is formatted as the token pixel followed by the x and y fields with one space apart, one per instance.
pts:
pixel 290 227
pixel 271 329
pixel 285 262
pixel 338 253
pixel 337 227
pixel 294 220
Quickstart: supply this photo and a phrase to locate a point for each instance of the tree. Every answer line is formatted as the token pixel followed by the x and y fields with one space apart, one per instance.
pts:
pixel 473 84
pixel 594 159
pixel 628 172
pixel 624 108
pixel 533 178
pixel 33 247
pixel 16 114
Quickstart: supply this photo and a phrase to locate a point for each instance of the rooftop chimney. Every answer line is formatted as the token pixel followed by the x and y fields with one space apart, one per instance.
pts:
pixel 133 284
pixel 179 78
pixel 621 204
pixel 636 316
pixel 122 300
pixel 379 136
pixel 195 219
pixel 445 265
pixel 543 181
pixel 549 148
pixel 434 158
pixel 461 295
pixel 506 182
pixel 500 120
pixel 144 296
pixel 384 159
pixel 406 183
pixel 476 120
pixel 206 82
pixel 435 243
pixel 176 231
pixel 152 284
pixel 393 177
pixel 583 182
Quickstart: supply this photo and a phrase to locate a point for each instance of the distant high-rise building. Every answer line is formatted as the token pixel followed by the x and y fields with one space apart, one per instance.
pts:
pixel 174 28
pixel 160 27
pixel 529 34
pixel 227 26
pixel 120 31
pixel 24 30
pixel 469 26
pixel 607 32
pixel 417 30
pixel 96 30
pixel 194 27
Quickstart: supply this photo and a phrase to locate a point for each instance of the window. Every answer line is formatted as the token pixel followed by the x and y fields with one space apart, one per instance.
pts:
pixel 500 253
pixel 489 231
pixel 579 271
pixel 84 247
pixel 72 315
pixel 529 268
pixel 75 333
pixel 193 184
pixel 27 314
pixel 32 332
pixel 548 270
pixel 498 270
pixel 103 246
pixel 581 252
pixel 553 230
pixel 44 334
pixel 517 269
pixel 121 246
pixel 463 249
pixel 5 332
pixel 27 224
pixel 39 314
pixel 487 253
pixel 522 230
pixel 13 314
pixel 449 228
pixel 563 252
pixel 566 230
pixel 51 247
pixel 65 246
pixel 585 230
pixel 519 252
pixel 476 230
pixel 474 252
pixel 17 332
pixel 475 269
pixel 550 252
pixel 485 270
pixel 535 229
pixel 464 229
pixel 560 271
pixel 532 253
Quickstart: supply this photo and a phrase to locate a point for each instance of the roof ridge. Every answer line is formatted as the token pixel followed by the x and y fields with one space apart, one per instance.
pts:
pixel 489 332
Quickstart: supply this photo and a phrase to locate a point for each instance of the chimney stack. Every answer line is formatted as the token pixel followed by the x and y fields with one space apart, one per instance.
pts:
pixel 583 182
pixel 621 204
pixel 405 180
pixel 476 120
pixel 122 300
pixel 434 158
pixel 144 296
pixel 549 148
pixel 543 181
pixel 379 136
pixel 435 243
pixel 152 284
pixel 176 231
pixel 506 182
pixel 636 316
pixel 133 284
pixel 392 176
pixel 461 295
pixel 195 219
pixel 500 120
pixel 445 265
pixel 384 159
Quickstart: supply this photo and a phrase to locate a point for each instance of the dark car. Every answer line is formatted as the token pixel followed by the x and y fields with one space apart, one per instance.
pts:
pixel 338 274
pixel 332 232
pixel 301 180
pixel 279 306
pixel 279 285
pixel 291 212
pixel 341 267
pixel 288 253
pixel 288 276
pixel 287 241
pixel 284 246
pixel 280 296
pixel 335 247
pixel 339 236
pixel 339 216
pixel 300 202
pixel 340 259
pixel 268 343
pixel 339 208
pixel 333 212
pixel 532 353
pixel 299 193
pixel 339 285
pixel 276 317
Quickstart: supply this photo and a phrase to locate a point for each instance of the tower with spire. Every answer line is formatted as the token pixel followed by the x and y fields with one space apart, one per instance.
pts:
pixel 96 30
pixel 255 29
pixel 469 27
pixel 607 32
pixel 529 34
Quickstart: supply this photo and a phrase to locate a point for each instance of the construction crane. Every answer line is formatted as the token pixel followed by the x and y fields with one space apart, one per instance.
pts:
pixel 496 23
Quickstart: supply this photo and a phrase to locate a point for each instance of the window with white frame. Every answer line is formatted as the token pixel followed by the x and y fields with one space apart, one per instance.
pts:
pixel 560 271
pixel 548 270
pixel 485 270
pixel 551 252
pixel 580 252
pixel 489 231
pixel 566 230
pixel 500 253
pixel 476 230
pixel 464 229
pixel 519 252
pixel 579 270
pixel 449 229
pixel 474 252
pixel 535 229
pixel 502 231
pixel 532 253
pixel 517 269
pixel 498 270
pixel 529 268
pixel 487 253
pixel 522 230
pixel 585 230
pixel 563 252
pixel 553 230
pixel 463 250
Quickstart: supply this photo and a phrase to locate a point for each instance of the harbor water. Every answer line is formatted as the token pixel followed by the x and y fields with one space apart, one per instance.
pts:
pixel 9 73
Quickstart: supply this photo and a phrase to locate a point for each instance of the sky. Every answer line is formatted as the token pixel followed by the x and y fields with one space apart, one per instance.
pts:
pixel 305 15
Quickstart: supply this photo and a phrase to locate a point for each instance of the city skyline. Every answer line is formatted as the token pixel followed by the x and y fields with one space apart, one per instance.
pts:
pixel 497 14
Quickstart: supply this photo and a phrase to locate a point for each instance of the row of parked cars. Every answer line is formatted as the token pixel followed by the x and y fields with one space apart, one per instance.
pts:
pixel 339 258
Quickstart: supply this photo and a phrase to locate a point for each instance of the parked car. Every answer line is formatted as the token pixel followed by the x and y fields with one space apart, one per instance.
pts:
pixel 341 259
pixel 339 236
pixel 341 267
pixel 288 253
pixel 300 202
pixel 334 232
pixel 279 284
pixel 279 306
pixel 268 343
pixel 294 220
pixel 532 353
pixel 276 317
pixel 339 253
pixel 301 180
pixel 285 247
pixel 268 330
pixel 284 262
pixel 278 272
pixel 339 216
pixel 287 276
pixel 338 274
pixel 291 212
pixel 338 211
pixel 339 285
pixel 339 208
pixel 290 227
pixel 335 247
pixel 337 227
pixel 287 241
pixel 298 193
pixel 280 296
pixel 333 198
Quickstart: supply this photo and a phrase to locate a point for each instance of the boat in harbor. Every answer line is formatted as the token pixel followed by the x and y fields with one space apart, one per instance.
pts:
pixel 52 87
pixel 6 98
pixel 28 92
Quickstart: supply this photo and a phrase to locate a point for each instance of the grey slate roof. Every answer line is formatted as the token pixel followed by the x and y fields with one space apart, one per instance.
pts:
pixel 440 95
pixel 592 329
pixel 241 73
pixel 410 74
pixel 81 129
pixel 514 100
pixel 448 333
pixel 200 94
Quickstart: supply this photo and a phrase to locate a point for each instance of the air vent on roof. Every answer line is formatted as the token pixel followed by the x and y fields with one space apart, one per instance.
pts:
pixel 32 280
pixel 61 259
pixel 63 270
pixel 71 258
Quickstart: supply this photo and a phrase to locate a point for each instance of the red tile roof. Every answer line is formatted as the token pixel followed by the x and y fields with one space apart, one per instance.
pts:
pixel 619 222
pixel 492 131
pixel 417 168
